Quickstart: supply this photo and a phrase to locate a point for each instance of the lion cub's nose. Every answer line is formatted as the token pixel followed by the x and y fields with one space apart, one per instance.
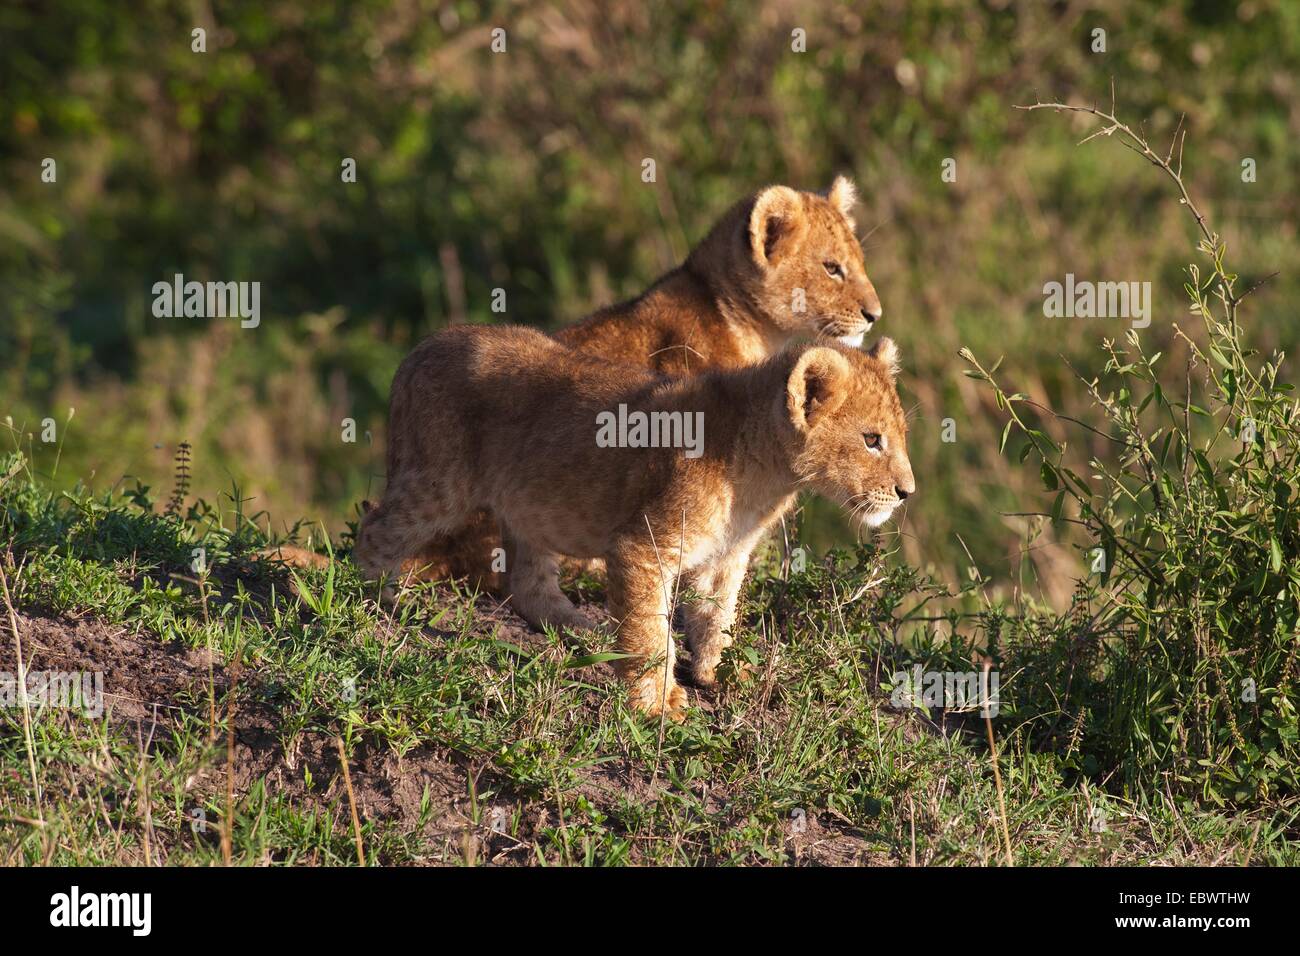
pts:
pixel 871 317
pixel 902 495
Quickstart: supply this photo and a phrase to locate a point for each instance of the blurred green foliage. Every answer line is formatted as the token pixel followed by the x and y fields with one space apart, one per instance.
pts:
pixel 521 170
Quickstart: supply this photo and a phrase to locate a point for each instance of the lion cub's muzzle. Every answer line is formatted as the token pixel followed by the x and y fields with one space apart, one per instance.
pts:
pixel 850 332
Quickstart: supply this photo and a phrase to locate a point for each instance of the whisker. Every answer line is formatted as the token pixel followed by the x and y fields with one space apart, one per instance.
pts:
pixel 872 232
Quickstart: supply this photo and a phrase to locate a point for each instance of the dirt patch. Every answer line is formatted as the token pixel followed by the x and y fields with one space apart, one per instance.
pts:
pixel 143 679
pixel 149 684
pixel 460 810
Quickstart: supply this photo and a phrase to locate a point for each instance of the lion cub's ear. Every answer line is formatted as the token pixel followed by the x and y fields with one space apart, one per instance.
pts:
pixel 817 386
pixel 843 195
pixel 886 353
pixel 777 225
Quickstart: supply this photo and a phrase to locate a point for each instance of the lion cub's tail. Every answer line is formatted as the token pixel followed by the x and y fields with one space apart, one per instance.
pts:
pixel 294 556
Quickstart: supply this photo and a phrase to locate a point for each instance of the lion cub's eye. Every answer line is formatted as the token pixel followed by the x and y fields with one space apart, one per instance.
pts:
pixel 872 440
pixel 833 270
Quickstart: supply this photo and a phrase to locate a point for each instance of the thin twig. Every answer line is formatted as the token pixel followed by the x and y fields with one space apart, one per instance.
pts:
pixel 668 657
pixel 997 774
pixel 228 824
pixel 22 695
pixel 142 790
pixel 352 803
pixel 1138 144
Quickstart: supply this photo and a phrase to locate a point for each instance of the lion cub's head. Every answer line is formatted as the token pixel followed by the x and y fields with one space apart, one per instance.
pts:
pixel 847 431
pixel 793 257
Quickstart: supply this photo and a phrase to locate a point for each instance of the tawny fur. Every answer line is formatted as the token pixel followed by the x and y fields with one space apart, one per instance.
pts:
pixel 760 278
pixel 505 419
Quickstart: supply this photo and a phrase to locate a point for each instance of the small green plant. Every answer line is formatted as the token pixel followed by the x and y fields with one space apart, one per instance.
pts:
pixel 181 484
pixel 322 604
pixel 1194 538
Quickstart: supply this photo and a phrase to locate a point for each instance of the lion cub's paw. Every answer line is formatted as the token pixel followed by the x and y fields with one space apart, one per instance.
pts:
pixel 648 697
pixel 737 672
pixel 704 675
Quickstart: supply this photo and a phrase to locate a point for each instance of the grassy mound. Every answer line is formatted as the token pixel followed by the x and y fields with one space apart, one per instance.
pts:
pixel 236 691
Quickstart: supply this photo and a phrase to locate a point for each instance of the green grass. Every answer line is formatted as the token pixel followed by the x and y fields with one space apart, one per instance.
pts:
pixel 471 740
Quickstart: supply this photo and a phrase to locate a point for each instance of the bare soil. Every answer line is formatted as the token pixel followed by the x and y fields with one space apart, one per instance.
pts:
pixel 151 685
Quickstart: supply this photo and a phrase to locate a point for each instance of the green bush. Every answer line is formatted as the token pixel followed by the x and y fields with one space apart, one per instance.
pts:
pixel 1185 675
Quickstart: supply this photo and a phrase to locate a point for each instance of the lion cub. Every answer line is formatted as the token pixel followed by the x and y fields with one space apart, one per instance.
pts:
pixel 574 455
pixel 780 263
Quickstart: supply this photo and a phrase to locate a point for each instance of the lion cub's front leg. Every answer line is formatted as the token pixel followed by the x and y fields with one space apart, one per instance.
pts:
pixel 639 596
pixel 709 622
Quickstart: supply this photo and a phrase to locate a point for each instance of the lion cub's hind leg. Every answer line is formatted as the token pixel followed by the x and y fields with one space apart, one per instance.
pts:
pixel 534 586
